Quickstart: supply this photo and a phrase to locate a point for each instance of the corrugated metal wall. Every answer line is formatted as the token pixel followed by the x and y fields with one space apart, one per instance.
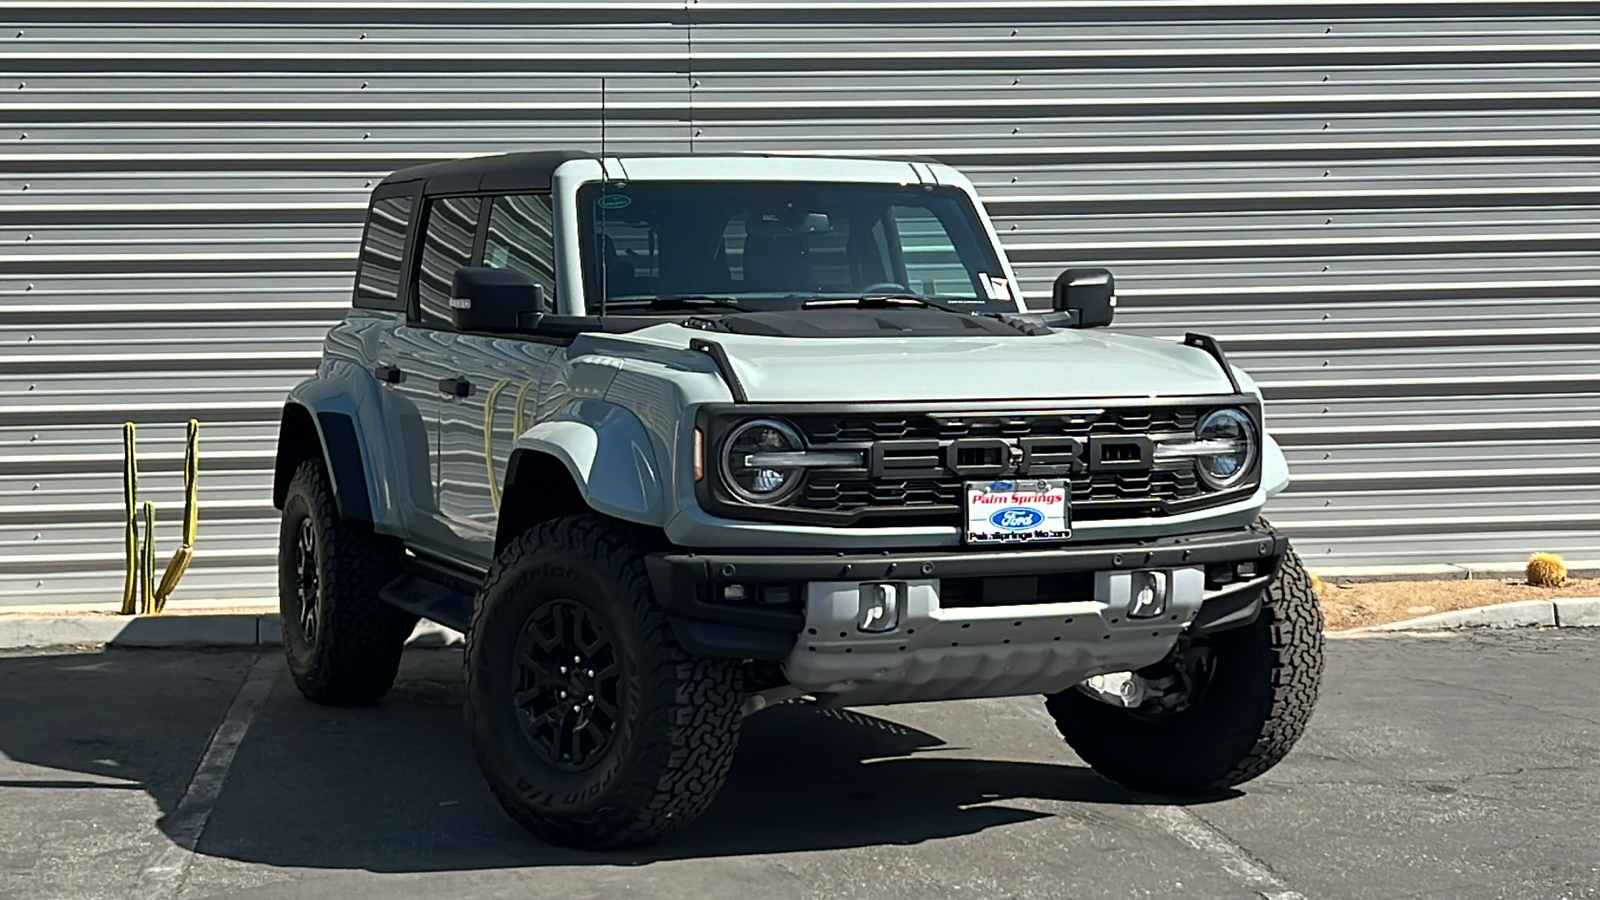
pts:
pixel 1389 212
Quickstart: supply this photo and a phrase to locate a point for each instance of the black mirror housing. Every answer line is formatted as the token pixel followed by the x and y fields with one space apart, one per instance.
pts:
pixel 485 299
pixel 1090 295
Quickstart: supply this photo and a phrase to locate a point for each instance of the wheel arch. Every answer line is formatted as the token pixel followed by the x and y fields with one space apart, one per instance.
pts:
pixel 539 487
pixel 597 457
pixel 330 437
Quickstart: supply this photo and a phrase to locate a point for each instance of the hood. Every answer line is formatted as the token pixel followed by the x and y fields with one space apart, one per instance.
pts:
pixel 1066 364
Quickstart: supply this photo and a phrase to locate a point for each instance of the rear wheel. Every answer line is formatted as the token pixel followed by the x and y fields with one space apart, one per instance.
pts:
pixel 1227 708
pixel 593 726
pixel 343 642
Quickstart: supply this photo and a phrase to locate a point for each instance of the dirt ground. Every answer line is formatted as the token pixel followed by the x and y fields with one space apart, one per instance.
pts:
pixel 1357 605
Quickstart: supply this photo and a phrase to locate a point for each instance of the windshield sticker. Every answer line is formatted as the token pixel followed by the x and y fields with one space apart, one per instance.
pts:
pixel 614 201
pixel 995 288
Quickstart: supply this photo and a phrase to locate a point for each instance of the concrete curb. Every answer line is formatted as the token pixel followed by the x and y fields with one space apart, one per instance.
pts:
pixel 1566 612
pixel 188 631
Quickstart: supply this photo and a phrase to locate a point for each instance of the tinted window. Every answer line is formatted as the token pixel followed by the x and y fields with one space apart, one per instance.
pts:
pixel 522 237
pixel 777 245
pixel 446 247
pixel 378 278
pixel 932 264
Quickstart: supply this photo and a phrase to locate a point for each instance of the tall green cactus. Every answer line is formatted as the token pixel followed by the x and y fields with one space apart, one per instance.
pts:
pixel 191 517
pixel 130 500
pixel 147 562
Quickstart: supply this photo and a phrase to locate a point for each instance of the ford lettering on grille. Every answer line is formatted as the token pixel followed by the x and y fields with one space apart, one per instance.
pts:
pixel 1016 518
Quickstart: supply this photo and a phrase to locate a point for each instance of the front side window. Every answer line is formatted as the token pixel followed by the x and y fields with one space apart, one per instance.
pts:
pixel 446 246
pixel 778 245
pixel 382 249
pixel 522 237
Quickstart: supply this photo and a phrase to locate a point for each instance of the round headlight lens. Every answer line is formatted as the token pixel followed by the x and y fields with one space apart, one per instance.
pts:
pixel 747 475
pixel 1234 436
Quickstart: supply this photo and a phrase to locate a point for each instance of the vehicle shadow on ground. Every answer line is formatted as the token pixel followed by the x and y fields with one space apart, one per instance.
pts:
pixel 395 788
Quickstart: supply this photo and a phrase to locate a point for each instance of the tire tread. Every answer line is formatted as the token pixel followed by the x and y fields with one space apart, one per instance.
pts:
pixel 694 736
pixel 361 636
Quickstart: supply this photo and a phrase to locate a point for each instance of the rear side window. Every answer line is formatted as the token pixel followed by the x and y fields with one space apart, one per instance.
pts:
pixel 522 237
pixel 446 247
pixel 382 248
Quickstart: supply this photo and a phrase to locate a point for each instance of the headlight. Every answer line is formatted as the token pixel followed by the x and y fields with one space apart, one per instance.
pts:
pixel 759 461
pixel 1223 449
pixel 1228 441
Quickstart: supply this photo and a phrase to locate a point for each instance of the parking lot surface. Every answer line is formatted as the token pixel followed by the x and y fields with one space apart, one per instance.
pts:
pixel 1456 766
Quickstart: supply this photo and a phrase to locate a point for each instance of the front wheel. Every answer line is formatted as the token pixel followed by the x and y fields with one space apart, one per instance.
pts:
pixel 593 726
pixel 1236 703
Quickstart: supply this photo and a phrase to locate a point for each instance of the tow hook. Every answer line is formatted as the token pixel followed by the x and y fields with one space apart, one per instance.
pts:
pixel 1124 689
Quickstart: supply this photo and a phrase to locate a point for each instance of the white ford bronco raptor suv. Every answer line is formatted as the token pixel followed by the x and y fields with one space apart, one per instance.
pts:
pixel 672 439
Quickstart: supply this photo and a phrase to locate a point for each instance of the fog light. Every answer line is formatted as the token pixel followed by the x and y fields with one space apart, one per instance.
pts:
pixel 1246 570
pixel 733 593
pixel 880 608
pixel 775 595
pixel 1149 592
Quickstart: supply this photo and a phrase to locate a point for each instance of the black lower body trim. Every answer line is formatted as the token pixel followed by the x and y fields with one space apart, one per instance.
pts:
pixel 688 585
pixel 434 591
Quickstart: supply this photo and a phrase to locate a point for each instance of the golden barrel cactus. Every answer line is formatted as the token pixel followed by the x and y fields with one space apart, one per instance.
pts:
pixel 1546 570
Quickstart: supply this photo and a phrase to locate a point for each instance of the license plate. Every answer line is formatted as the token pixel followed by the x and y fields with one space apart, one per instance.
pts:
pixel 1018 510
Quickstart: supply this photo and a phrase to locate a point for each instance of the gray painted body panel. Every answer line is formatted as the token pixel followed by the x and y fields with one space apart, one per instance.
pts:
pixel 1066 365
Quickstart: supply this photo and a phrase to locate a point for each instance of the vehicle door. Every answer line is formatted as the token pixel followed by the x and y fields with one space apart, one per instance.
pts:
pixel 423 351
pixel 478 430
pixel 384 287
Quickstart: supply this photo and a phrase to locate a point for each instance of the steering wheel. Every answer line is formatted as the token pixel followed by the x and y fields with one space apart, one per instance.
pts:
pixel 886 287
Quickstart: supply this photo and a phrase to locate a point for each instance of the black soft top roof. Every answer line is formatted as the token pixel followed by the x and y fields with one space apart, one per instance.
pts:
pixel 527 171
pixel 507 172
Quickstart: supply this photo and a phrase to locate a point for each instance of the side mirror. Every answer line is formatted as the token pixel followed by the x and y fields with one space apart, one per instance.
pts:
pixel 1089 294
pixel 484 299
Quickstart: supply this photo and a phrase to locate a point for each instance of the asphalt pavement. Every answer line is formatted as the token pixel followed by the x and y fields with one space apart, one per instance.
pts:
pixel 1463 765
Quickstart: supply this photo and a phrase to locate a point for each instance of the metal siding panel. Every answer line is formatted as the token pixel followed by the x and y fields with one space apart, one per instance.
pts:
pixel 1387 212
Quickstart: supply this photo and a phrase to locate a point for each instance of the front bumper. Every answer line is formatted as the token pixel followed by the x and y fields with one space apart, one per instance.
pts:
pixel 690 587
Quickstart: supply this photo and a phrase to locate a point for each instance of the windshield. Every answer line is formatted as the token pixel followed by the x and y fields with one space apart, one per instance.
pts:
pixel 723 246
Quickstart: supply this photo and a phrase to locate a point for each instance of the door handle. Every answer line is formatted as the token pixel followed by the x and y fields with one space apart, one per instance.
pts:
pixel 391 374
pixel 455 387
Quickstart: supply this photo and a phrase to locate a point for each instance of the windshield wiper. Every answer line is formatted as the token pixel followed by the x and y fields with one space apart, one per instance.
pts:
pixel 880 301
pixel 686 301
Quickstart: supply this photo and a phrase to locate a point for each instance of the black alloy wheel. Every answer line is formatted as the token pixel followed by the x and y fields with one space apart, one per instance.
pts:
pixel 307 585
pixel 568 685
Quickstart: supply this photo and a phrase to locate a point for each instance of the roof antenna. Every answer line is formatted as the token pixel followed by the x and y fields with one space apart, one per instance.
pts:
pixel 605 177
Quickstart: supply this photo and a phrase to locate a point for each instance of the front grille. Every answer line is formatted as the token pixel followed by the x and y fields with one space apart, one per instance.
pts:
pixel 1110 496
pixel 919 444
pixel 851 428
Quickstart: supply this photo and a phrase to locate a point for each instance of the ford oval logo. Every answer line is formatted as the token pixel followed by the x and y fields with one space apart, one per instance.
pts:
pixel 1016 518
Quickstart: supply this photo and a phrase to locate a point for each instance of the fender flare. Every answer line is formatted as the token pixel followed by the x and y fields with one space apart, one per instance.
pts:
pixel 1274 468
pixel 343 404
pixel 608 453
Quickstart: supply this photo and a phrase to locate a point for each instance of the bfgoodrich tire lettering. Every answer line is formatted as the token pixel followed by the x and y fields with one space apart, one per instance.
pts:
pixel 343 643
pixel 673 721
pixel 1247 718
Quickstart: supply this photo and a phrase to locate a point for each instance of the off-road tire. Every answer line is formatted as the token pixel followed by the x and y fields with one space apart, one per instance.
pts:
pixel 1244 722
pixel 678 722
pixel 354 650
